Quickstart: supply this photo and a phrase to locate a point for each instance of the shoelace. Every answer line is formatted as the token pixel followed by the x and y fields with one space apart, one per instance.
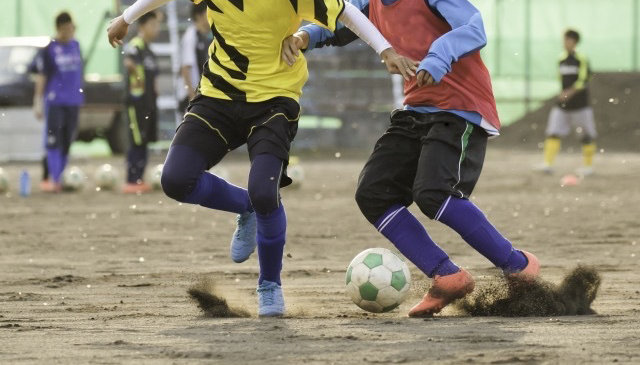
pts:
pixel 241 220
pixel 268 296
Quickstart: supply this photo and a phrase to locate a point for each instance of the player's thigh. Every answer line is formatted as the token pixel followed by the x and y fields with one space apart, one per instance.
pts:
pixel 207 129
pixel 70 126
pixel 387 176
pixel 559 124
pixel 54 126
pixel 271 126
pixel 451 161
pixel 585 120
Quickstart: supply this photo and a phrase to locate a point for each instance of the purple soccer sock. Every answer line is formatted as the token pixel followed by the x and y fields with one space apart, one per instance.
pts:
pixel 216 193
pixel 470 223
pixel 56 163
pixel 400 227
pixel 272 229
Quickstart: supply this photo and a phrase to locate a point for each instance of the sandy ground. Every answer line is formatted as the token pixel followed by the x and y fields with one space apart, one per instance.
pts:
pixel 98 277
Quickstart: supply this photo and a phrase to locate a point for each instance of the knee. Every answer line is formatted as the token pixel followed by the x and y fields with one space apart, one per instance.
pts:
pixel 369 206
pixel 587 139
pixel 174 185
pixel 429 201
pixel 263 199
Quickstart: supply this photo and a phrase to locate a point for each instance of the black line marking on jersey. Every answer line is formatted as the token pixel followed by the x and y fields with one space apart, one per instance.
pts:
pixel 241 61
pixel 320 12
pixel 238 4
pixel 223 85
pixel 213 6
pixel 294 3
pixel 233 73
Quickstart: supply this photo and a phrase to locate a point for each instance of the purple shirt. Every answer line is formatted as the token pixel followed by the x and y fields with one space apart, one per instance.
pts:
pixel 63 66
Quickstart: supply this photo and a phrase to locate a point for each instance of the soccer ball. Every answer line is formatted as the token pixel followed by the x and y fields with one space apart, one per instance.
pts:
pixel 156 176
pixel 4 182
pixel 73 179
pixel 378 280
pixel 220 172
pixel 296 173
pixel 106 177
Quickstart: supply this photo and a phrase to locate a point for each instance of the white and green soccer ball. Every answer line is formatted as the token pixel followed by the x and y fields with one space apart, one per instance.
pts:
pixel 156 176
pixel 4 181
pixel 106 177
pixel 73 179
pixel 378 280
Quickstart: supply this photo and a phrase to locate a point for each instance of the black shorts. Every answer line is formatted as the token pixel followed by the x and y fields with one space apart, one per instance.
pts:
pixel 215 127
pixel 143 122
pixel 422 158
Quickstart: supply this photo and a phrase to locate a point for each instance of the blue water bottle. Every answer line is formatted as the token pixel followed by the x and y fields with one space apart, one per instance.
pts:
pixel 25 183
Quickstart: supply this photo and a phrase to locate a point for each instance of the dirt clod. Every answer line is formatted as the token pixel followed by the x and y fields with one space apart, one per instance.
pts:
pixel 212 304
pixel 517 297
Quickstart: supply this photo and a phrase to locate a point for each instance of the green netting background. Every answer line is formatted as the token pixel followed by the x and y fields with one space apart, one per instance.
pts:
pixel 525 43
pixel 36 18
pixel 525 39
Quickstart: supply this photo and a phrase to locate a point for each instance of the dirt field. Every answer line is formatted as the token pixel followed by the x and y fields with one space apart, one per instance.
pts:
pixel 98 277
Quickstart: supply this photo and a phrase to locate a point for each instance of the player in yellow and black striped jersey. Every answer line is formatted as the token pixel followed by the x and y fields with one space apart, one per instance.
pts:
pixel 573 109
pixel 249 95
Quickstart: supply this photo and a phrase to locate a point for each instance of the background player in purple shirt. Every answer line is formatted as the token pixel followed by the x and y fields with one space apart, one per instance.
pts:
pixel 58 96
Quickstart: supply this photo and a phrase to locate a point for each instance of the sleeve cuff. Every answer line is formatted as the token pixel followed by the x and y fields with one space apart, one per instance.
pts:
pixel 315 35
pixel 435 67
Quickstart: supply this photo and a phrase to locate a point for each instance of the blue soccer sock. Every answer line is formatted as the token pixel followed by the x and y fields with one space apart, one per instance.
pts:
pixel 412 240
pixel 470 223
pixel 56 162
pixel 216 193
pixel 272 229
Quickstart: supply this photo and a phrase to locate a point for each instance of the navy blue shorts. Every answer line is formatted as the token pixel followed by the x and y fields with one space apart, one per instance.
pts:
pixel 62 122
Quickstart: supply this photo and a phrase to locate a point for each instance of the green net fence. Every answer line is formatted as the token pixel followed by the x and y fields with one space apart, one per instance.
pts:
pixel 525 43
pixel 36 18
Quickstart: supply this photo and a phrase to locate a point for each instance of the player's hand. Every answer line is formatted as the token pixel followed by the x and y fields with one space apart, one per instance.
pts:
pixel 292 45
pixel 117 30
pixel 38 109
pixel 397 64
pixel 425 79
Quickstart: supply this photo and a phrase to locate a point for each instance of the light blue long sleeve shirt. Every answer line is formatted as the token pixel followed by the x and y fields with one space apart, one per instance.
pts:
pixel 466 36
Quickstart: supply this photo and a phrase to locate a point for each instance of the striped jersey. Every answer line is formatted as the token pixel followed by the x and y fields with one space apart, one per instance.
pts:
pixel 245 61
pixel 575 72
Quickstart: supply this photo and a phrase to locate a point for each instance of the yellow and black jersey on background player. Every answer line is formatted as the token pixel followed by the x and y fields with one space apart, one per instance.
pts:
pixel 245 62
pixel 575 72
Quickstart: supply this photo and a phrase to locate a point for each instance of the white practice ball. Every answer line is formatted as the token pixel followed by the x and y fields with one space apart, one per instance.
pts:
pixel 106 177
pixel 4 181
pixel 73 179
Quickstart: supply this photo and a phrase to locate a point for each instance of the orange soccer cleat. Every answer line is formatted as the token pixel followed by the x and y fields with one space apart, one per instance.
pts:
pixel 532 270
pixel 444 290
pixel 48 186
pixel 138 188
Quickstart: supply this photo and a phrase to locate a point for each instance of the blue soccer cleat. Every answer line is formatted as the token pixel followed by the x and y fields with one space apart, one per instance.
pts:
pixel 244 240
pixel 270 300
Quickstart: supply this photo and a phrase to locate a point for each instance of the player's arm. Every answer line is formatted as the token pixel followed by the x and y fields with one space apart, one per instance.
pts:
pixel 119 27
pixel 313 36
pixel 43 67
pixel 188 59
pixel 359 24
pixel 581 83
pixel 466 36
pixel 320 37
pixel 38 96
pixel 131 62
